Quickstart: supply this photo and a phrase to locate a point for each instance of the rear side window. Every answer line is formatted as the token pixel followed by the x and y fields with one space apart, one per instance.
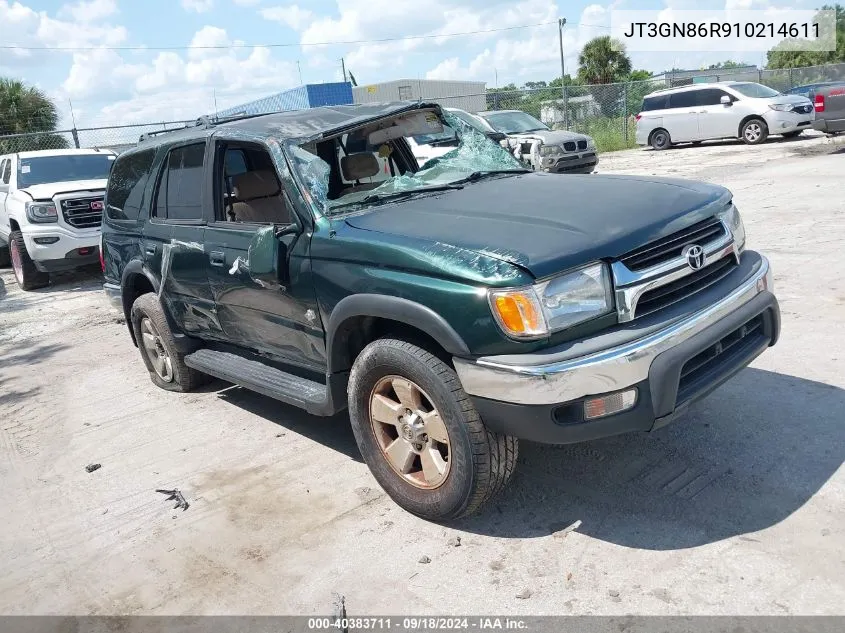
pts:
pixel 657 102
pixel 710 96
pixel 127 182
pixel 686 99
pixel 180 189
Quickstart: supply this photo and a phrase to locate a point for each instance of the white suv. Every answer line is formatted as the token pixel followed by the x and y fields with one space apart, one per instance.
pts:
pixel 702 112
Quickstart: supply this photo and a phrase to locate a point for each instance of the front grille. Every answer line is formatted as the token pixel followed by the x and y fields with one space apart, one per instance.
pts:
pixel 669 248
pixel 78 213
pixel 663 296
pixel 582 145
pixel 569 146
pixel 706 367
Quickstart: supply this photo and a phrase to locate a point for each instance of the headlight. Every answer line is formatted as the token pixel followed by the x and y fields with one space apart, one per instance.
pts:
pixel 549 150
pixel 731 217
pixel 781 107
pixel 41 212
pixel 554 304
pixel 591 144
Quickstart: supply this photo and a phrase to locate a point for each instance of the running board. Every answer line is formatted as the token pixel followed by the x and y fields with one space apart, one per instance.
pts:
pixel 314 397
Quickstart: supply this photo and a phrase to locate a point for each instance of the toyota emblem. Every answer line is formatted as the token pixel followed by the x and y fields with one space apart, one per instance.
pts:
pixel 694 255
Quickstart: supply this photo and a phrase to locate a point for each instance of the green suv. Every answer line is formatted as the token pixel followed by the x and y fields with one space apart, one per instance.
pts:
pixel 453 310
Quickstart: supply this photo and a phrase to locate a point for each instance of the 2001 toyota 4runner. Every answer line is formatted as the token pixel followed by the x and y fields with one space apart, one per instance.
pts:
pixel 51 206
pixel 452 309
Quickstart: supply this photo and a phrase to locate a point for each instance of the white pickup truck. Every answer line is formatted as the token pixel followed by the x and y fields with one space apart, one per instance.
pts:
pixel 51 208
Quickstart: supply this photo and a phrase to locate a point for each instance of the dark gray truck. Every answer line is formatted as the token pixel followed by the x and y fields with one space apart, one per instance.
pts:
pixel 829 101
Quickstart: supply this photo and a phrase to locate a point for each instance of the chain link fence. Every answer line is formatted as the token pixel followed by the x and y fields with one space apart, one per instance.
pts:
pixel 604 111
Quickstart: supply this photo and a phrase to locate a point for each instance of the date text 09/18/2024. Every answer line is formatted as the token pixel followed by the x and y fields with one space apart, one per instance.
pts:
pixel 422 623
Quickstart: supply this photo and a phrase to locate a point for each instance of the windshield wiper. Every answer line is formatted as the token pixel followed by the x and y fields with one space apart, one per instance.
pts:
pixel 478 175
pixel 379 197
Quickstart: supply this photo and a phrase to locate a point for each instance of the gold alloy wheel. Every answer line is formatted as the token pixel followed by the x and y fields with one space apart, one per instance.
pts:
pixel 410 432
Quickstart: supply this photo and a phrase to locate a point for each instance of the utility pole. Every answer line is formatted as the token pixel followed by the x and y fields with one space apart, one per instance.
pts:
pixel 560 24
pixel 343 67
pixel 299 68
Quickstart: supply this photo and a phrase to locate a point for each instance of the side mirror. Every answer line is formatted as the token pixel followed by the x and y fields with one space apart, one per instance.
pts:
pixel 267 257
pixel 726 100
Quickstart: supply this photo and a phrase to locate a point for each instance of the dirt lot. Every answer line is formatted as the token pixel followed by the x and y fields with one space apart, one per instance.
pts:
pixel 737 509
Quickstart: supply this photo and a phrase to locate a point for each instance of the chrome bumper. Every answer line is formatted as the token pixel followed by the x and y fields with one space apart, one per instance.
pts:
pixel 606 371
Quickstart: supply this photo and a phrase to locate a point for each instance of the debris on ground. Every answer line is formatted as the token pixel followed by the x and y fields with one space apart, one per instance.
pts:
pixel 280 434
pixel 524 594
pixel 92 467
pixel 175 495
pixel 454 542
pixel 496 565
pixel 425 560
pixel 614 595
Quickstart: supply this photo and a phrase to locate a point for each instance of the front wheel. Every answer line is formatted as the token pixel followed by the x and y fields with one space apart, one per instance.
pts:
pixel 26 274
pixel 754 131
pixel 420 434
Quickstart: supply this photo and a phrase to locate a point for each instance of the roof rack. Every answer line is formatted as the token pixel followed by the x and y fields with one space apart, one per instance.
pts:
pixel 204 121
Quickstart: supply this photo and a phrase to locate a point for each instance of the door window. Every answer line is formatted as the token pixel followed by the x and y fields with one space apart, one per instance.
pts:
pixel 251 191
pixel 6 169
pixel 685 99
pixel 127 182
pixel 180 188
pixel 711 96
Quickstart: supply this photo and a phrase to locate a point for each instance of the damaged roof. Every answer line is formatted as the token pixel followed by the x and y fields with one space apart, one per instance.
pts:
pixel 321 121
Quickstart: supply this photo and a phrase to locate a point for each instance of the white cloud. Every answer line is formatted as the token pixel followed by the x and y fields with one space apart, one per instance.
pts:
pixel 246 3
pixel 292 16
pixel 89 10
pixel 197 6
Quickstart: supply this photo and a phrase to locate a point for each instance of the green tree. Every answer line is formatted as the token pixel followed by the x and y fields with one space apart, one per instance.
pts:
pixel 639 75
pixel 728 63
pixel 603 60
pixel 784 54
pixel 27 110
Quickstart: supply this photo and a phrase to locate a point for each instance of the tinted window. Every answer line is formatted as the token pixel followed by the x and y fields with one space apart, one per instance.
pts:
pixel 43 169
pixel 754 90
pixel 126 187
pixel 180 189
pixel 658 102
pixel 7 171
pixel 683 99
pixel 710 96
pixel 513 122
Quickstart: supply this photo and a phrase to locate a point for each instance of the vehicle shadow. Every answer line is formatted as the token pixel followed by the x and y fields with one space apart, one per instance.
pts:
pixel 737 142
pixel 742 460
pixel 33 354
pixel 334 432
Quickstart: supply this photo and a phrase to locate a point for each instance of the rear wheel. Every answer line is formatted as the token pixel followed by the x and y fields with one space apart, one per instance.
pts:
pixel 26 274
pixel 660 139
pixel 158 349
pixel 420 434
pixel 754 131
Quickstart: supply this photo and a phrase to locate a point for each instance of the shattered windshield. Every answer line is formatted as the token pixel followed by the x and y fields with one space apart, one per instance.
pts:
pixel 514 122
pixel 378 179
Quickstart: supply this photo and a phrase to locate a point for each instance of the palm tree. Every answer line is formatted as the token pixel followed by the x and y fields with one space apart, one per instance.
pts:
pixel 27 110
pixel 602 61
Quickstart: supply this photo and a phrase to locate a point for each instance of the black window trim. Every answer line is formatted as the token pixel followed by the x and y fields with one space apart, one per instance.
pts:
pixel 154 219
pixel 142 206
pixel 219 140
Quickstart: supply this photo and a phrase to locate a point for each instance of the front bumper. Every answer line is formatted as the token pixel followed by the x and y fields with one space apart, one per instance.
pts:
pixel 540 396
pixel 114 295
pixel 581 163
pixel 64 253
pixel 785 122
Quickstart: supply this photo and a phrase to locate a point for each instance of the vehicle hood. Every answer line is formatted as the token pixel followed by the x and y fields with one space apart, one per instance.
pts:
pixel 50 189
pixel 546 224
pixel 551 137
pixel 793 99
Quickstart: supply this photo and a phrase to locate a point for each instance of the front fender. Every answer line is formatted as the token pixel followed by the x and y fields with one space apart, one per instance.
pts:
pixel 396 309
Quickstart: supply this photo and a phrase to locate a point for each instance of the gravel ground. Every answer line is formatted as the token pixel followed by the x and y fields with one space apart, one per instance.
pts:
pixel 737 509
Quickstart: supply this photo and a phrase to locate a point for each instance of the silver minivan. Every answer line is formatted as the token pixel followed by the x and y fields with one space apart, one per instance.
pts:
pixel 701 112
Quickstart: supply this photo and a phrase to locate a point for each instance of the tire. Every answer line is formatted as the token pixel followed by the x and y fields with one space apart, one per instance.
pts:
pixel 793 134
pixel 754 131
pixel 660 139
pixel 5 256
pixel 158 350
pixel 475 463
pixel 26 274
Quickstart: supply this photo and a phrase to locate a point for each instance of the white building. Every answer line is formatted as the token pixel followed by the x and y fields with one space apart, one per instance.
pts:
pixel 466 95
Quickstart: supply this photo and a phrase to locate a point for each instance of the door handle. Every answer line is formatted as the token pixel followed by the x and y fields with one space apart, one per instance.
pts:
pixel 150 250
pixel 217 258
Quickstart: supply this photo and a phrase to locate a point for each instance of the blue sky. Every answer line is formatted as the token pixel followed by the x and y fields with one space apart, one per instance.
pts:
pixel 119 86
